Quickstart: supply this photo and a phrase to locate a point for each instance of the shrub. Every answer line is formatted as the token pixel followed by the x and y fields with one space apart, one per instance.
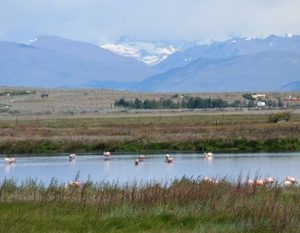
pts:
pixel 248 96
pixel 281 116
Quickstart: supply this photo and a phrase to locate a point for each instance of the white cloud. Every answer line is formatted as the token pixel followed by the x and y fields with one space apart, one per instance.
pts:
pixel 94 20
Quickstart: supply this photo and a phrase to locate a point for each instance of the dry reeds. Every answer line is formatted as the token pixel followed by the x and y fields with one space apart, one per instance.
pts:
pixel 192 133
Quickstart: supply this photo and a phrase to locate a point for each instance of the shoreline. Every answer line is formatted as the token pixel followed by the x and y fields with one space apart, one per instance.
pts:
pixel 217 146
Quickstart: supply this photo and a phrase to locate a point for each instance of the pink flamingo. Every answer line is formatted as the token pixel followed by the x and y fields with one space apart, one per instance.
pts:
pixel 71 157
pixel 168 159
pixel 106 153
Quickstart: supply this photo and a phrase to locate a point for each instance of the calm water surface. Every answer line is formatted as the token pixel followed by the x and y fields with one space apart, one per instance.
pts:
pixel 121 168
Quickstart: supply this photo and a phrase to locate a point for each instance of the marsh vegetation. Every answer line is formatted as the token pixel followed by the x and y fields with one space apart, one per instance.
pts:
pixel 218 132
pixel 185 205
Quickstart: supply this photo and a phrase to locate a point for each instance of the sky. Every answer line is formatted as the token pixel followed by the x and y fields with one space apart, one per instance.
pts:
pixel 107 20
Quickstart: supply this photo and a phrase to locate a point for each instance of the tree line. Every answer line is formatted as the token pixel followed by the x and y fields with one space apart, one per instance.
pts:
pixel 188 102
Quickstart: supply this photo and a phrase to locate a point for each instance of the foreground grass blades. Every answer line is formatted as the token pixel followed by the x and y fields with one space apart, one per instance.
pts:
pixel 185 205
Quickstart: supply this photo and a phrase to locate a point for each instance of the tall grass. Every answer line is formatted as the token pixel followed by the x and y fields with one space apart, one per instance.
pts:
pixel 135 134
pixel 185 205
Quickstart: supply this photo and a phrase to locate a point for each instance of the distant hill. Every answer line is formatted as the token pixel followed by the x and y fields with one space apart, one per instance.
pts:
pixel 266 71
pixel 49 61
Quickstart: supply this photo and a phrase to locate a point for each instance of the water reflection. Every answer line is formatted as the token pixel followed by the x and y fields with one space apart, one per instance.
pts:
pixel 8 167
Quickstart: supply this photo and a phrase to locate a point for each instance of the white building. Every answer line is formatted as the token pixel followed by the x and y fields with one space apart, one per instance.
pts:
pixel 261 104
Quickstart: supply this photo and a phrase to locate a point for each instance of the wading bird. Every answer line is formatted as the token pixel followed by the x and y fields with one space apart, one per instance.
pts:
pixel 269 180
pixel 10 160
pixel 168 159
pixel 141 158
pixel 71 157
pixel 106 153
pixel 259 182
pixel 289 180
pixel 208 155
pixel 73 184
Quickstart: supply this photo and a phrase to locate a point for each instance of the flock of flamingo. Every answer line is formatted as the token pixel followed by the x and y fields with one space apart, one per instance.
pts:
pixel 289 180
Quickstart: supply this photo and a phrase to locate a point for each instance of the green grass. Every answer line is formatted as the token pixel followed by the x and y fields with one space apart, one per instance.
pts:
pixel 234 146
pixel 186 205
pixel 31 217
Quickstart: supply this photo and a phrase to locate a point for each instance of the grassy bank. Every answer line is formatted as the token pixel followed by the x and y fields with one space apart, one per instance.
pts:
pixel 184 206
pixel 239 145
pixel 220 133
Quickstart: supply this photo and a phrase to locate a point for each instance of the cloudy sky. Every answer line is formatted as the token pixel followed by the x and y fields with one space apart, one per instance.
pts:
pixel 103 20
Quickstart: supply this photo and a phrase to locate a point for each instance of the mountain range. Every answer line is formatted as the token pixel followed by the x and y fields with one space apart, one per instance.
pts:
pixel 239 64
pixel 266 71
pixel 49 61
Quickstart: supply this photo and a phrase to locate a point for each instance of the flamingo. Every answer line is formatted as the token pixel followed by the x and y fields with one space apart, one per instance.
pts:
pixel 10 160
pixel 210 180
pixel 168 159
pixel 289 180
pixel 288 183
pixel 136 162
pixel 73 184
pixel 250 182
pixel 71 157
pixel 269 180
pixel 208 155
pixel 106 153
pixel 259 182
pixel 141 158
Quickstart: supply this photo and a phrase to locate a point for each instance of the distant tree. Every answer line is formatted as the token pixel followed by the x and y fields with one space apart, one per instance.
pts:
pixel 138 104
pixel 251 104
pixel 121 102
pixel 189 102
pixel 248 96
pixel 280 103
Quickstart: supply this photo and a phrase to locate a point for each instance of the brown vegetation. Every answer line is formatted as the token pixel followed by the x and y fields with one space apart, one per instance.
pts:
pixel 145 131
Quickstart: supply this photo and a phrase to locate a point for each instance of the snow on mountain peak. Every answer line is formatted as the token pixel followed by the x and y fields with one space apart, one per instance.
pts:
pixel 150 53
pixel 33 40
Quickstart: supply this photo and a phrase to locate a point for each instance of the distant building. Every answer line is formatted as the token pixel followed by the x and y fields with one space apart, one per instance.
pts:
pixel 261 104
pixel 259 96
pixel 291 101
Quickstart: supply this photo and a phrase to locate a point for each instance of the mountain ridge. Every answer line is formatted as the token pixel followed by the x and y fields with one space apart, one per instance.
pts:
pixel 235 64
pixel 268 71
pixel 50 61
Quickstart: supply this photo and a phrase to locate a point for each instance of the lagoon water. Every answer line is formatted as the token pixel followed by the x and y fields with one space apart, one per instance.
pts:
pixel 121 168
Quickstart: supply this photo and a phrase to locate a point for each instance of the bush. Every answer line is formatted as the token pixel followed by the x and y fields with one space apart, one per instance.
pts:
pixel 248 96
pixel 281 116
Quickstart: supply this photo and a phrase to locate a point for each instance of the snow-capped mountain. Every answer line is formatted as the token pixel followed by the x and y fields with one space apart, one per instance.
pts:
pixel 238 64
pixel 51 61
pixel 231 48
pixel 148 52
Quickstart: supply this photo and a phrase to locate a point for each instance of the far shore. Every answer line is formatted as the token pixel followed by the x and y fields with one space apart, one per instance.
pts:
pixel 87 121
pixel 230 133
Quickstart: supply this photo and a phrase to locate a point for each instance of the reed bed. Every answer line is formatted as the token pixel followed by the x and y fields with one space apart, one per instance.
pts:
pixel 184 205
pixel 135 134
